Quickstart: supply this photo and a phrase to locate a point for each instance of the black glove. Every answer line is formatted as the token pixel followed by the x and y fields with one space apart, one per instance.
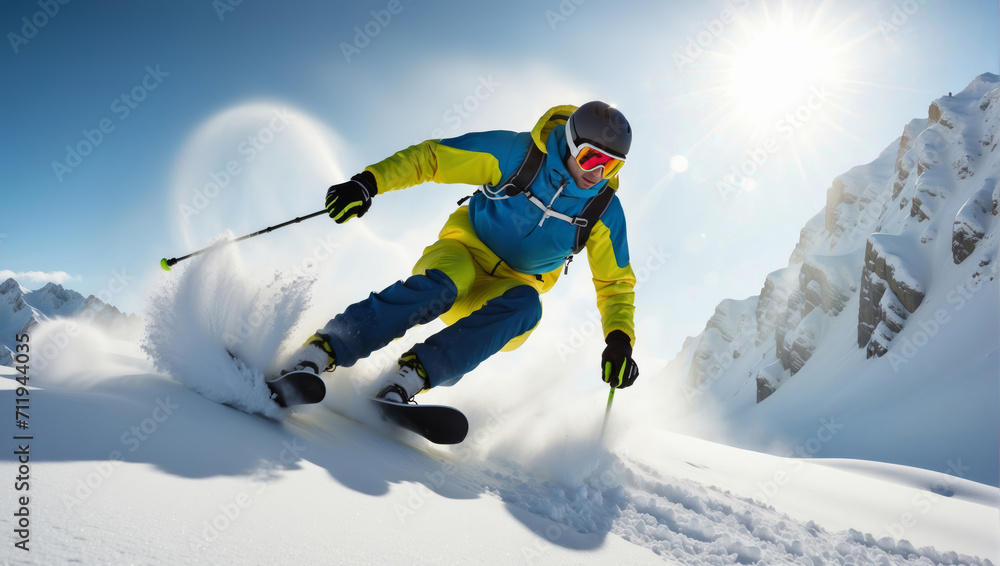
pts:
pixel 350 199
pixel 618 367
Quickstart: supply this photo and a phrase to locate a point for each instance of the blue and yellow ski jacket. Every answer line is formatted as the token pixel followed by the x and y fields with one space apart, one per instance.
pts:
pixel 513 229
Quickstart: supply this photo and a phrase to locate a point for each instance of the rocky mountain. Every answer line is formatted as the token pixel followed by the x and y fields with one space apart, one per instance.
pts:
pixel 879 249
pixel 21 309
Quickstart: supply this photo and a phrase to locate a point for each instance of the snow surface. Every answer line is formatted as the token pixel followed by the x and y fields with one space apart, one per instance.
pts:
pixel 131 462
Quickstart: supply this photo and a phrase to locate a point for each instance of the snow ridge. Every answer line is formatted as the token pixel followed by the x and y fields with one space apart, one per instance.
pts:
pixel 21 310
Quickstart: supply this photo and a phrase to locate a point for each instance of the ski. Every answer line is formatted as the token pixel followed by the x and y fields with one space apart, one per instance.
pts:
pixel 297 388
pixel 437 423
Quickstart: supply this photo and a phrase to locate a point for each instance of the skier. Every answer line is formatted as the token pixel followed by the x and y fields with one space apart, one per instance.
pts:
pixel 496 255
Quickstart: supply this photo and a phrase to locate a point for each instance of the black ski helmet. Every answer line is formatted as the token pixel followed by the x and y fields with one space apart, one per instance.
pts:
pixel 602 125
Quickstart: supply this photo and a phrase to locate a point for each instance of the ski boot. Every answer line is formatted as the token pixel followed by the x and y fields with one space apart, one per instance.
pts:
pixel 408 381
pixel 316 353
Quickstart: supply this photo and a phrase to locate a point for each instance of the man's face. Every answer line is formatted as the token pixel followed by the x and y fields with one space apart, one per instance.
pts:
pixel 584 179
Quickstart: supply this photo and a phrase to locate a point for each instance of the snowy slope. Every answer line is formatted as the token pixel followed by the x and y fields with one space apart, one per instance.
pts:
pixel 886 320
pixel 129 464
pixel 146 471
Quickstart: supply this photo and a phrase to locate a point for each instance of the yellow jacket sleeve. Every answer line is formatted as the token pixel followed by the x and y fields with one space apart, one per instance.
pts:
pixel 433 161
pixel 614 285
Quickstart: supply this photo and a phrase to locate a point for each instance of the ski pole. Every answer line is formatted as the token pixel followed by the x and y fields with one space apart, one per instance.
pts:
pixel 607 412
pixel 166 264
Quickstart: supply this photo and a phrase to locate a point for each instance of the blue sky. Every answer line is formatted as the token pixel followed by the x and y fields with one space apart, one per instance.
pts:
pixel 181 89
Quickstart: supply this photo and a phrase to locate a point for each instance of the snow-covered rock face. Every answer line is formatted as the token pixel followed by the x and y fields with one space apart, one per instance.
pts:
pixel 890 291
pixel 874 246
pixel 21 309
pixel 7 286
pixel 974 220
pixel 730 331
pixel 55 298
pixel 12 295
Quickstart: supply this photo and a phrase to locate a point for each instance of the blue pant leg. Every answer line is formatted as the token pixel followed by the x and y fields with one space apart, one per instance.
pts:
pixel 368 325
pixel 459 348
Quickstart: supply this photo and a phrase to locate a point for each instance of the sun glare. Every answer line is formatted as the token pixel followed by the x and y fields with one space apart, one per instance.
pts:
pixel 678 164
pixel 775 76
pixel 777 69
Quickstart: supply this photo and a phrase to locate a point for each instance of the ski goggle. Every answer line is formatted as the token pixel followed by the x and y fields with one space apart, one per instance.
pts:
pixel 589 157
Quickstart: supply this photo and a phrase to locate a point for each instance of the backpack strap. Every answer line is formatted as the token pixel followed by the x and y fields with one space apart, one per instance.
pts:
pixel 589 216
pixel 526 173
pixel 592 212
pixel 521 178
pixel 520 182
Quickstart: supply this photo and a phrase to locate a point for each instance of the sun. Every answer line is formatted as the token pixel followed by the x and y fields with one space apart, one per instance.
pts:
pixel 776 67
pixel 774 83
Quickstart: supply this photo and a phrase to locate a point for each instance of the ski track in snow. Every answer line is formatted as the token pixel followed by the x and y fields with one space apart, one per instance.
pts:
pixel 680 520
pixel 690 523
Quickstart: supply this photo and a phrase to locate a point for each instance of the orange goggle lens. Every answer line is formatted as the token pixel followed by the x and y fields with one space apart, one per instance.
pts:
pixel 591 158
